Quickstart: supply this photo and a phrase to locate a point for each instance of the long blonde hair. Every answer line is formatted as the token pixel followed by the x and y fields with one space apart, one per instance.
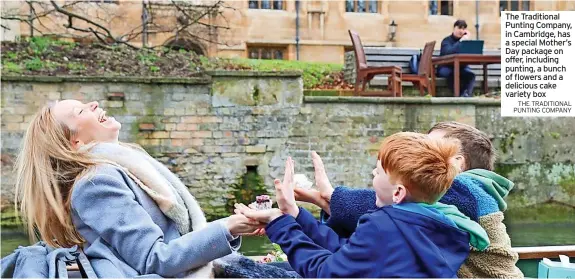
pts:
pixel 47 168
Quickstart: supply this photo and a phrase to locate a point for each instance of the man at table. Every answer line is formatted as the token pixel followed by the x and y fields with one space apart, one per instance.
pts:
pixel 450 45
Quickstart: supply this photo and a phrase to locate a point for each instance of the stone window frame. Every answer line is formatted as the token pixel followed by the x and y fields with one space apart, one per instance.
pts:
pixel 267 5
pixel 368 6
pixel 117 2
pixel 507 5
pixel 435 7
pixel 273 49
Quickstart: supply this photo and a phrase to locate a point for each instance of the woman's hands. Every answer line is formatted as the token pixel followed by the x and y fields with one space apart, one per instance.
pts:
pixel 261 216
pixel 241 225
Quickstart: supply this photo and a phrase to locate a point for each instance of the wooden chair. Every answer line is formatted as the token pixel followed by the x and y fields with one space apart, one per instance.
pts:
pixel 422 79
pixel 365 73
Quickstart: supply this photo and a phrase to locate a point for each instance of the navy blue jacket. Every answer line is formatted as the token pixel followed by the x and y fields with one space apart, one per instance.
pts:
pixel 349 204
pixel 405 240
pixel 449 45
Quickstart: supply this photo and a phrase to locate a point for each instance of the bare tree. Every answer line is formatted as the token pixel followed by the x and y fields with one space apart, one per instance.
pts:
pixel 107 22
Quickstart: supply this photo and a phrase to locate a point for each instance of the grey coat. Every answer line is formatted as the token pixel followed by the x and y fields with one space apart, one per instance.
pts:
pixel 127 235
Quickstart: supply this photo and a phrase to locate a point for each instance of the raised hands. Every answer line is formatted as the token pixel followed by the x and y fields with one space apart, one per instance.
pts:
pixel 287 194
pixel 322 197
pixel 285 190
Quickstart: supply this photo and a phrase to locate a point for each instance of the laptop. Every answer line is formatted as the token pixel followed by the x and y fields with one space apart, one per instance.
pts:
pixel 471 47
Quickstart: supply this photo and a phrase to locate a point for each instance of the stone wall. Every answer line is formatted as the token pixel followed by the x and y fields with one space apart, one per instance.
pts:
pixel 211 131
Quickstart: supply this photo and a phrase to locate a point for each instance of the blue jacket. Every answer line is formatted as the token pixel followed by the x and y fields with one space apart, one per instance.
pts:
pixel 466 193
pixel 406 240
pixel 127 235
pixel 42 261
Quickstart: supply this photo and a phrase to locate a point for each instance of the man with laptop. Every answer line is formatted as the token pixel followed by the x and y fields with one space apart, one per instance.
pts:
pixel 458 42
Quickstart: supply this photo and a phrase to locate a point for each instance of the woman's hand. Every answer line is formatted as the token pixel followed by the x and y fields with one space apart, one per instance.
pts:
pixel 241 225
pixel 260 216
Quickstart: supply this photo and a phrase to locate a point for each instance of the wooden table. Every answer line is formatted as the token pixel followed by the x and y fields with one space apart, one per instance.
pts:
pixel 469 59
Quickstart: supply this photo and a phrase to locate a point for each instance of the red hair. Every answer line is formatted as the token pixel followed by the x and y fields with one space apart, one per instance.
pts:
pixel 422 164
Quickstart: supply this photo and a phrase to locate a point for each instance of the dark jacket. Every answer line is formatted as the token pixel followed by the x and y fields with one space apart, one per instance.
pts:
pixel 406 240
pixel 479 194
pixel 449 45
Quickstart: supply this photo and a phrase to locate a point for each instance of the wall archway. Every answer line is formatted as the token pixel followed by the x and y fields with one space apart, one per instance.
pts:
pixel 186 43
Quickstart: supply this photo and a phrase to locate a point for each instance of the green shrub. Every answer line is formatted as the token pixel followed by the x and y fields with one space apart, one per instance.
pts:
pixel 34 64
pixel 11 67
pixel 74 66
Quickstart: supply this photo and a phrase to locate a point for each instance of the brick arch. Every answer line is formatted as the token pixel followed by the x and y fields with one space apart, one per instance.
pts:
pixel 186 43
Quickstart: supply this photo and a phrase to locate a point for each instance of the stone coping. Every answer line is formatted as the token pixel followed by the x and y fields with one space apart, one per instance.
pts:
pixel 293 74
pixel 202 79
pixel 55 79
pixel 404 100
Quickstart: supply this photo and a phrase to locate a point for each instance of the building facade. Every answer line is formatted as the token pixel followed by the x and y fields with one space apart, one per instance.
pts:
pixel 315 30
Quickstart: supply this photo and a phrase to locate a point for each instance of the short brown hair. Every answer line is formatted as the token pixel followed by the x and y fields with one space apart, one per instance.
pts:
pixel 422 164
pixel 476 146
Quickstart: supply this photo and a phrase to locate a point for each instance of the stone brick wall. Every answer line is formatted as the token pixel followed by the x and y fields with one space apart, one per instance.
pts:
pixel 210 130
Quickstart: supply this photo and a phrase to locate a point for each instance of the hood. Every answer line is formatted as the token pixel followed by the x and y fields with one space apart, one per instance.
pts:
pixel 478 237
pixel 494 184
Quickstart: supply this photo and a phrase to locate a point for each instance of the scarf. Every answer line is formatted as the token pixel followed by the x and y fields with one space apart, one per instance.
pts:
pixel 169 193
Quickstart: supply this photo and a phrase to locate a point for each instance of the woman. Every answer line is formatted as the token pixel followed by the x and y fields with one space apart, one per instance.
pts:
pixel 79 186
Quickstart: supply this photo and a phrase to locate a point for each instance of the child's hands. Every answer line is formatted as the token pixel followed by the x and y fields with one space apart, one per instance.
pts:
pixel 260 216
pixel 321 179
pixel 285 191
pixel 322 197
pixel 312 196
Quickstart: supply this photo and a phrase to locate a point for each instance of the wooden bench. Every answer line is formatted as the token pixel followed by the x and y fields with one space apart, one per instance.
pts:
pixel 383 56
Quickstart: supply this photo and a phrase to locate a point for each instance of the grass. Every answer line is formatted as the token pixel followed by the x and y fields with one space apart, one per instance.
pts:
pixel 313 73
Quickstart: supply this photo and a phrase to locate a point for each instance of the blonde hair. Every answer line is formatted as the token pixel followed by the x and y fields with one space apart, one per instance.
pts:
pixel 424 165
pixel 47 168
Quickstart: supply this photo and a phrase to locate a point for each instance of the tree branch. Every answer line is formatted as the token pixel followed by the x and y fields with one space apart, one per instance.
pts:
pixel 106 32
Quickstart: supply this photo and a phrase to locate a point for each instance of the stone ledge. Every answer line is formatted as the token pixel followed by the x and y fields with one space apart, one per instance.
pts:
pixel 294 74
pixel 160 80
pixel 404 100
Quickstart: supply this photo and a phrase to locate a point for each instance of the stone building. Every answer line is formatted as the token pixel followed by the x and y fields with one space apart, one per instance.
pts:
pixel 314 30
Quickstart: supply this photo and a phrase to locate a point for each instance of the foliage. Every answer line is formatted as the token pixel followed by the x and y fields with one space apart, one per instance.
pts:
pixel 277 255
pixel 313 73
pixel 34 64
pixel 11 67
pixel 250 185
pixel 48 56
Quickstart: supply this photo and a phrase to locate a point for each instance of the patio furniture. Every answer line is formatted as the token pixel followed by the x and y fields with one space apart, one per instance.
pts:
pixel 390 56
pixel 365 73
pixel 468 59
pixel 422 79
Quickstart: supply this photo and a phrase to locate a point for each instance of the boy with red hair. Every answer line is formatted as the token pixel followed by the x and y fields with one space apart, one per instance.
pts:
pixel 403 237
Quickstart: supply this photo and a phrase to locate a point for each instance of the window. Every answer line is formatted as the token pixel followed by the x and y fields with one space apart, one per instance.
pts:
pixel 441 7
pixel 266 4
pixel 104 1
pixel 257 52
pixel 361 6
pixel 514 5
